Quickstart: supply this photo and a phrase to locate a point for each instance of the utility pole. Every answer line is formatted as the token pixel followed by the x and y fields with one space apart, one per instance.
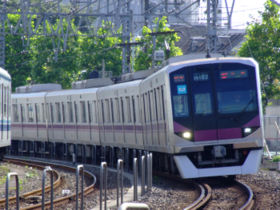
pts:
pixel 126 31
pixel 211 45
pixel 3 16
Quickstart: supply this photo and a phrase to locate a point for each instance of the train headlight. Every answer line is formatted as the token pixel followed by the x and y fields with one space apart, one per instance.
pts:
pixel 187 135
pixel 247 130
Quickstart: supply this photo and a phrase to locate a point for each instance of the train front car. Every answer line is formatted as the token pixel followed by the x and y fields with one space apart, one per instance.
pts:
pixel 217 117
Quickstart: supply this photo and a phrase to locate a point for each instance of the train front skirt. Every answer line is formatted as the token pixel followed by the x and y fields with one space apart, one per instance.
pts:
pixel 187 170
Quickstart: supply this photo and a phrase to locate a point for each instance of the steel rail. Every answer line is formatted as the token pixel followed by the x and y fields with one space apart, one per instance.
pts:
pixel 57 183
pixel 64 199
pixel 250 201
pixel 205 196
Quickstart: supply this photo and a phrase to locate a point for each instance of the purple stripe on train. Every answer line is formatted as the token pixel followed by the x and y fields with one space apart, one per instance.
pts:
pixel 218 134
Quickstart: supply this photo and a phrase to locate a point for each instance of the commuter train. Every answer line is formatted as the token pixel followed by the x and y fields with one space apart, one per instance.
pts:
pixel 199 118
pixel 5 111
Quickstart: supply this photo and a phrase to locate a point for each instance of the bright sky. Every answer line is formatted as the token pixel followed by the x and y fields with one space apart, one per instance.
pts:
pixel 244 10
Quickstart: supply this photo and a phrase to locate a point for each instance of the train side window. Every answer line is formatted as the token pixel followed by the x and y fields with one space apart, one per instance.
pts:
pixel 94 112
pixel 9 101
pixel 89 106
pixel 147 109
pixel 102 110
pixel 133 109
pixel 63 111
pixel 117 110
pixel 37 113
pixel 4 101
pixel 128 108
pixel 30 116
pixel 144 108
pixel 152 105
pixel 43 112
pixel 163 105
pixel 58 112
pixel 122 111
pixel 156 104
pixel 76 112
pixel 15 113
pixel 1 104
pixel 159 104
pixel 51 111
pixel 83 111
pixel 112 110
pixel 70 112
pixel 106 110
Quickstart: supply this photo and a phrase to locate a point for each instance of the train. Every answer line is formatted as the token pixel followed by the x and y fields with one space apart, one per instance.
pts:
pixel 5 111
pixel 199 118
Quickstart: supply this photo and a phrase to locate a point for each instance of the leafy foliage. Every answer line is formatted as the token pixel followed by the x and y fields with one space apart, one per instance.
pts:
pixel 263 44
pixel 46 60
pixel 144 53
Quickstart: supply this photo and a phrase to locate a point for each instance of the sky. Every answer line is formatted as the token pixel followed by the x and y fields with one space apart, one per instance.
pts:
pixel 244 10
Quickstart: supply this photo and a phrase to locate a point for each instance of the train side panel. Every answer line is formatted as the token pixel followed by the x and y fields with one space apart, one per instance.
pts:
pixel 155 106
pixel 28 117
pixel 119 115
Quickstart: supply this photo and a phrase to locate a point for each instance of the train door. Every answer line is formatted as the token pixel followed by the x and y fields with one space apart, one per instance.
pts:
pixel 202 94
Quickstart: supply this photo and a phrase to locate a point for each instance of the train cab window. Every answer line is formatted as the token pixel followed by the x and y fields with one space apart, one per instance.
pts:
pixel 181 107
pixel 15 113
pixel 70 112
pixel 202 103
pixel 237 101
pixel 30 112
pixel 58 112
pixel 83 111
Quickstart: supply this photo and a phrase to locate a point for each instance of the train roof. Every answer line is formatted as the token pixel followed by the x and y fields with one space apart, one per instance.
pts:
pixel 4 74
pixel 72 92
pixel 29 95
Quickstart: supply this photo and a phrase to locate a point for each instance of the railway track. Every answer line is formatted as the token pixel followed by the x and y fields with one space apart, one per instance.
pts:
pixel 228 194
pixel 58 201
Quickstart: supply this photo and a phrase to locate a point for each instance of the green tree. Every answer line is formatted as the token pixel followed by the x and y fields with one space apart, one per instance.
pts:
pixel 144 53
pixel 263 44
pixel 104 46
pixel 55 65
pixel 17 55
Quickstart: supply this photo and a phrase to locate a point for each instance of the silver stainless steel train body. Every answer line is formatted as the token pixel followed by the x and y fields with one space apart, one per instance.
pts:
pixel 5 111
pixel 206 114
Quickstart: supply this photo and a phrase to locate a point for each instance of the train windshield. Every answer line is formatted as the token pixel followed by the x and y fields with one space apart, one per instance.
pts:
pixel 236 101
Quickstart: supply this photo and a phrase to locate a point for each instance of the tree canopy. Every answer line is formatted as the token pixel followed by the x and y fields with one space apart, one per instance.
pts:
pixel 44 59
pixel 263 44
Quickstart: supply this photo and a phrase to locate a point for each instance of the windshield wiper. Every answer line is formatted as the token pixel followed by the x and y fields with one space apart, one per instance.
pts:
pixel 247 105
